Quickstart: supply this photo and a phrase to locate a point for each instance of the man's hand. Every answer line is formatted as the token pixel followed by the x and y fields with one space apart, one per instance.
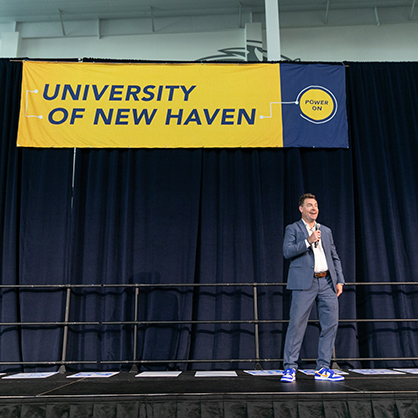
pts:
pixel 339 289
pixel 314 237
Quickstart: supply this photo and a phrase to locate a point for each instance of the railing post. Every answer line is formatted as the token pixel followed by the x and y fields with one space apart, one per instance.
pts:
pixel 256 336
pixel 134 368
pixel 65 333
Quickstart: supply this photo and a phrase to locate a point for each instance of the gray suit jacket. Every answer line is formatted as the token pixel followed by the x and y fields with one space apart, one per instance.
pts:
pixel 301 268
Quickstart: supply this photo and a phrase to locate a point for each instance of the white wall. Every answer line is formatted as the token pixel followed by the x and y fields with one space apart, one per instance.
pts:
pixel 173 47
pixel 391 42
pixel 398 42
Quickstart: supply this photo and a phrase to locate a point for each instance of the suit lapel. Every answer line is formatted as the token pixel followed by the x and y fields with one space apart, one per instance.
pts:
pixel 302 227
pixel 325 242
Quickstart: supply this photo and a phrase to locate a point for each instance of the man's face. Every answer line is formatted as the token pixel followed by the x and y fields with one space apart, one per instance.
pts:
pixel 309 210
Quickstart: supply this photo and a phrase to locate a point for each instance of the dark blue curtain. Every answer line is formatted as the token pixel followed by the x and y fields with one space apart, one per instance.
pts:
pixel 384 143
pixel 10 78
pixel 136 216
pixel 209 216
pixel 35 215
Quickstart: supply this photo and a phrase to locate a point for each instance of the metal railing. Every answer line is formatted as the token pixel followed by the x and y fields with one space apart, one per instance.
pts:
pixel 257 360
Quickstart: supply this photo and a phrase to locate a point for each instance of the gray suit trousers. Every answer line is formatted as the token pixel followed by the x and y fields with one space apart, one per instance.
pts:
pixel 326 299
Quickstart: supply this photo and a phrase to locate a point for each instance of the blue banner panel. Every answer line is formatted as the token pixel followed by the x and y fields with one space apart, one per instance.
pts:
pixel 313 101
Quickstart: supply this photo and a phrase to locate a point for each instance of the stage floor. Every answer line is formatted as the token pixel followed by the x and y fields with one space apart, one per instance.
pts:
pixel 125 395
pixel 127 385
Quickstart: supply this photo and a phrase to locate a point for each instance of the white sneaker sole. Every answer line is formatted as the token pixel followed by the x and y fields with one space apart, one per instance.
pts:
pixel 327 379
pixel 287 380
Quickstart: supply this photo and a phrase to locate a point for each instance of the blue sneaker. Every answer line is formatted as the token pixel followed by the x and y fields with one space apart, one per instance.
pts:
pixel 328 375
pixel 289 376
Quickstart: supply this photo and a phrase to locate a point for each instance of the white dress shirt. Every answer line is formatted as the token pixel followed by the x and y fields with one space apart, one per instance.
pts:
pixel 321 264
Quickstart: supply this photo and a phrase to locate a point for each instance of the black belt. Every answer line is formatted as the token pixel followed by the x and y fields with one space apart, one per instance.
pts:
pixel 321 274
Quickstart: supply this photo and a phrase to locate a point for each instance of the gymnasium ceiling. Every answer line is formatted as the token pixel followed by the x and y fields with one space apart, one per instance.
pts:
pixel 293 13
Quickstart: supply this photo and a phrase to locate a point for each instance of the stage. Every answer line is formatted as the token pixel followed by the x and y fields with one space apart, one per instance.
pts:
pixel 125 395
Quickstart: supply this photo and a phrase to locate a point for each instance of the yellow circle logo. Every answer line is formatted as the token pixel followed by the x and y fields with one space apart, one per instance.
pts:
pixel 317 104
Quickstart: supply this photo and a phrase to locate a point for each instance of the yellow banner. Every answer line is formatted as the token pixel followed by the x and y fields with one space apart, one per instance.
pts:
pixel 150 105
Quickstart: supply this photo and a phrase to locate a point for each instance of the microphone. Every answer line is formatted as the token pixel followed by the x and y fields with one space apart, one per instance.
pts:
pixel 316 229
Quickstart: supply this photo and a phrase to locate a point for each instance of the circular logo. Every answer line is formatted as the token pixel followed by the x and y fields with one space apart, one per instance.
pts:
pixel 317 104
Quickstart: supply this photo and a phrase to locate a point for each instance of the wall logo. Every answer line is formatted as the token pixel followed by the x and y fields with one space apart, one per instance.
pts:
pixel 253 52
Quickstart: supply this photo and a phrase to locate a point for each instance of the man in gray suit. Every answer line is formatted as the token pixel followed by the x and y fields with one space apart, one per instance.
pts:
pixel 315 274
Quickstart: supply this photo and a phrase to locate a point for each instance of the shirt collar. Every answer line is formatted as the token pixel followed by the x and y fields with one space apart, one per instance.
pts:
pixel 307 226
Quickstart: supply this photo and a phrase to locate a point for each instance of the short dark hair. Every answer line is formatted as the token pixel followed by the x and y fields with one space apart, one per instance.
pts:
pixel 306 196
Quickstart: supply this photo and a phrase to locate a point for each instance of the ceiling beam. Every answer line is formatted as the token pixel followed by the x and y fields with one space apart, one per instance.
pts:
pixel 377 16
pixel 240 15
pixel 326 12
pixel 62 22
pixel 152 19
pixel 412 10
